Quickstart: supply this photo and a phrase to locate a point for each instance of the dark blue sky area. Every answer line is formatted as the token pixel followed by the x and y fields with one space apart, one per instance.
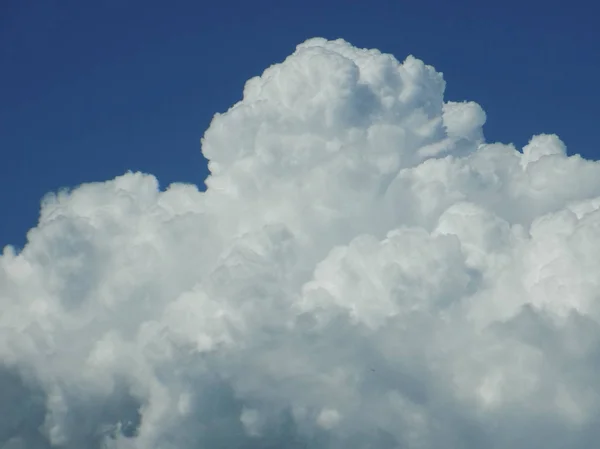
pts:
pixel 91 89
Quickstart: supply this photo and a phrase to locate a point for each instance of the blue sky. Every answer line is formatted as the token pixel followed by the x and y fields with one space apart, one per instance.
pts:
pixel 89 90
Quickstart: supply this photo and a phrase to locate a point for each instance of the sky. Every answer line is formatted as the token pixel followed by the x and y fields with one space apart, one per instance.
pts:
pixel 389 239
pixel 90 90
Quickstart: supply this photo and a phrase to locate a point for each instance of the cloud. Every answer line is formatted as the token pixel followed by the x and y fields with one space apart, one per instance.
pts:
pixel 363 270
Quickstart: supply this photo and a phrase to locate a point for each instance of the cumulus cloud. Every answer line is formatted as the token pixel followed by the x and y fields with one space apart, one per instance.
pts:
pixel 363 270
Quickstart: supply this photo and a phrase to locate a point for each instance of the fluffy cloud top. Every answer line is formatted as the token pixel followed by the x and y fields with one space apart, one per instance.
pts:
pixel 363 271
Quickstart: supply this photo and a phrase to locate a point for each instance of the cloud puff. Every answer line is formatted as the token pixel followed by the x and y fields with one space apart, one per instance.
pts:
pixel 363 270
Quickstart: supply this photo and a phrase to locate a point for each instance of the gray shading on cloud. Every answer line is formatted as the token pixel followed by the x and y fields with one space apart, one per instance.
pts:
pixel 364 270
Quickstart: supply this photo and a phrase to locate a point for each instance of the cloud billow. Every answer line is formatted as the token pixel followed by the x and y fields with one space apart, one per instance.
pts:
pixel 363 270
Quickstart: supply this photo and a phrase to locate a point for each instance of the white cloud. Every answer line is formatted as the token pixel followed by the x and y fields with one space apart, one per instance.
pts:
pixel 364 270
pixel 328 418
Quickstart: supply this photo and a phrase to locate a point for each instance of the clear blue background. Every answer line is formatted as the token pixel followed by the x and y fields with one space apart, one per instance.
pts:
pixel 91 89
